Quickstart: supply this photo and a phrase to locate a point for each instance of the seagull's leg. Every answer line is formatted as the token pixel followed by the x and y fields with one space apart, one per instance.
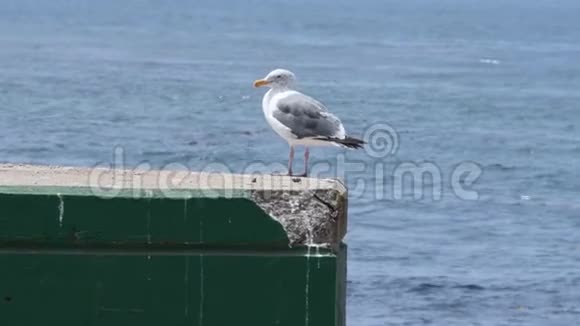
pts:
pixel 306 156
pixel 290 159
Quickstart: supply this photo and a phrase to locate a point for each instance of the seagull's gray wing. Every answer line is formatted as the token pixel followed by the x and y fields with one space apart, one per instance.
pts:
pixel 306 117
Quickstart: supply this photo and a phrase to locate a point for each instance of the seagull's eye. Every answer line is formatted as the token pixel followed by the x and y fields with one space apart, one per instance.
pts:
pixel 279 76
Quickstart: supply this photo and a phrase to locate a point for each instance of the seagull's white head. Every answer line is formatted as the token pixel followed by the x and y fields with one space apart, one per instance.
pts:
pixel 279 78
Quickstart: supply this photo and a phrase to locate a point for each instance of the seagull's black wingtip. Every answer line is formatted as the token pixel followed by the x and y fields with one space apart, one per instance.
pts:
pixel 348 142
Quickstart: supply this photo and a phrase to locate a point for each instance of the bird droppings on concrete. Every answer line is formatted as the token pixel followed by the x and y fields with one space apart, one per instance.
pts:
pixel 309 217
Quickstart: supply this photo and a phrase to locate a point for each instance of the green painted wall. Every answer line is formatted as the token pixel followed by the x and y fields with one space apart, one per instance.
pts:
pixel 76 259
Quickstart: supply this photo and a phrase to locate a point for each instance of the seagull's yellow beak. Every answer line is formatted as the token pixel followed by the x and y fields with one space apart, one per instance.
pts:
pixel 261 82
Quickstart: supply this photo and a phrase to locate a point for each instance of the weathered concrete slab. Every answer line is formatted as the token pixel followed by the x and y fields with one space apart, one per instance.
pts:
pixel 97 247
pixel 311 211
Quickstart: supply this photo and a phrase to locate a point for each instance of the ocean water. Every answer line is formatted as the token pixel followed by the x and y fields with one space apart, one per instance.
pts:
pixel 492 87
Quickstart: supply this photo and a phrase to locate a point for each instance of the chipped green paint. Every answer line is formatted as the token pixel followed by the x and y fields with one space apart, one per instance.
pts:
pixel 68 257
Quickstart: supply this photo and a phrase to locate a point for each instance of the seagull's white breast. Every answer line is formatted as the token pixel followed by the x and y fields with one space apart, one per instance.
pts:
pixel 269 104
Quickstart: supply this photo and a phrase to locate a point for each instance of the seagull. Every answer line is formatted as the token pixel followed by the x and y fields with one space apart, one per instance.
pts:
pixel 299 119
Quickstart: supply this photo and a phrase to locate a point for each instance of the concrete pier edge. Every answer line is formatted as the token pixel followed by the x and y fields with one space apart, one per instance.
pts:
pixel 82 246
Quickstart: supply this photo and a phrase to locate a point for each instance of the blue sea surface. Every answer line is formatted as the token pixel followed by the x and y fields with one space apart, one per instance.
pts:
pixel 494 84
